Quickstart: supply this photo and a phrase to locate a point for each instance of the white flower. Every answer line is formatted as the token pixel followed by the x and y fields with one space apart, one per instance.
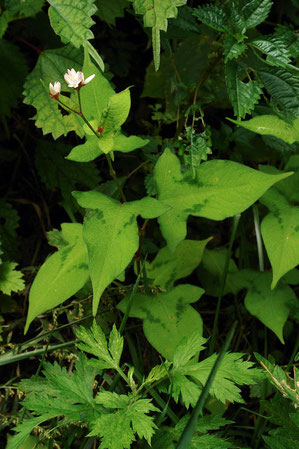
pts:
pixel 55 90
pixel 76 79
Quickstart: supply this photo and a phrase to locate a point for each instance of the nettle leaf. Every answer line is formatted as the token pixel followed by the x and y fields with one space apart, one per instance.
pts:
pixel 116 223
pixel 273 126
pixel 271 307
pixel 283 86
pixel 56 171
pixel 51 66
pixel 213 15
pixel 108 11
pixel 280 231
pixel 232 48
pixel 275 50
pixel 254 12
pixel 169 266
pixel 28 8
pixel 156 13
pixel 94 342
pixel 128 416
pixel 167 317
pixel 12 78
pixel 61 275
pixel 244 96
pixel 222 189
pixel 10 279
pixel 71 20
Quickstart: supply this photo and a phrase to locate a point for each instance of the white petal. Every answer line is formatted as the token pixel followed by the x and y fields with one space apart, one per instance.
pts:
pixel 91 77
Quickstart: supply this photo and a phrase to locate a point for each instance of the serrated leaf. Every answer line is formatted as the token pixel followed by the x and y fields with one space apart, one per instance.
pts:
pixel 189 347
pixel 244 96
pixel 51 66
pixel 280 231
pixel 283 87
pixel 232 48
pixel 10 279
pixel 116 223
pixel 271 307
pixel 275 50
pixel 24 429
pixel 57 172
pixel 116 343
pixel 12 78
pixel 254 12
pixel 273 126
pixel 167 317
pixel 155 15
pixel 71 20
pixel 212 15
pixel 61 275
pixel 222 189
pixel 28 8
pixel 168 266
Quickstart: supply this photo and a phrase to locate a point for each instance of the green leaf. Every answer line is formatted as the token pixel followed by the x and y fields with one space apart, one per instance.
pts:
pixel 109 11
pixel 61 275
pixel 168 266
pixel 212 15
pixel 244 96
pixel 117 428
pixel 24 429
pixel 12 78
pixel 273 126
pixel 189 347
pixel 10 279
pixel 232 48
pixel 222 189
pixel 21 8
pixel 210 273
pixel 116 223
pixel 280 231
pixel 71 20
pixel 283 87
pixel 254 12
pixel 275 50
pixel 51 66
pixel 271 307
pixel 56 171
pixel 156 13
pixel 167 317
pixel 5 18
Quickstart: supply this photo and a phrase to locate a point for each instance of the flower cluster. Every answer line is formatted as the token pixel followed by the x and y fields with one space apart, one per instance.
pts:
pixel 74 79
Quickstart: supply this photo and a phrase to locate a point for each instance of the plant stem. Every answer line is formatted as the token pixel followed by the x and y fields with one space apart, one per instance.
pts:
pixel 259 241
pixel 223 281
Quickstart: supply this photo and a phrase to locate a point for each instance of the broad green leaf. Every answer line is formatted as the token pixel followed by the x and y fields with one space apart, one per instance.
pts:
pixel 275 50
pixel 280 231
pixel 61 275
pixel 254 12
pixel 108 11
pixel 212 15
pixel 287 188
pixel 222 189
pixel 51 66
pixel 21 8
pixel 271 307
pixel 12 78
pixel 167 317
pixel 155 15
pixel 210 273
pixel 71 20
pixel 283 86
pixel 57 172
pixel 168 266
pixel 10 279
pixel 116 224
pixel 273 126
pixel 244 96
